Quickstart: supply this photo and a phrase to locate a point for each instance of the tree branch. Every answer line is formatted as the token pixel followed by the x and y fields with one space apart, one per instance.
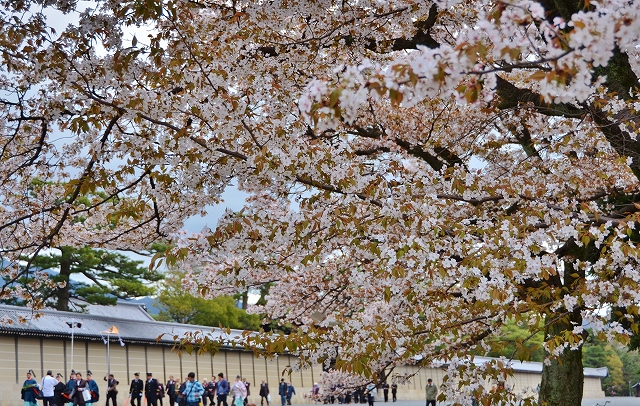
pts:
pixel 512 96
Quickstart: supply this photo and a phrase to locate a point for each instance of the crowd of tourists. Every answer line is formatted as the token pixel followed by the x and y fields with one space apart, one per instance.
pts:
pixel 79 391
pixel 343 395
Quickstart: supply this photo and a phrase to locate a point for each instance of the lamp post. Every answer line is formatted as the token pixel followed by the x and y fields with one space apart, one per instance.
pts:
pixel 112 330
pixel 73 325
pixel 108 355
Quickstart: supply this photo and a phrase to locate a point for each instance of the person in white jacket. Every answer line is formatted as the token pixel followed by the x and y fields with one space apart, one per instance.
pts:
pixel 239 392
pixel 46 386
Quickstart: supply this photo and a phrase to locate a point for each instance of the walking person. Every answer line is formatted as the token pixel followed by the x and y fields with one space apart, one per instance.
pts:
pixel 59 390
pixel 70 386
pixel 264 393
pixel 151 390
pixel 210 390
pixel 160 393
pixel 92 387
pixel 112 391
pixel 29 388
pixel 431 392
pixel 290 392
pixel 385 391
pixel 315 392
pixel 46 386
pixel 171 390
pixel 239 392
pixel 223 390
pixel 246 384
pixel 282 391
pixel 193 390
pixel 135 390
pixel 205 397
pixel 79 387
pixel 181 387
pixel 370 393
pixel 394 391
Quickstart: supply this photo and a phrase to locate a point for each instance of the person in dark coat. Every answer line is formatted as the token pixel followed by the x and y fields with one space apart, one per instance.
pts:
pixel 282 391
pixel 29 388
pixel 71 383
pixel 112 390
pixel 210 390
pixel 135 390
pixel 170 388
pixel 59 390
pixel 160 393
pixel 151 390
pixel 92 386
pixel 264 393
pixel 222 390
pixel 385 390
pixel 79 386
pixel 246 385
pixel 181 388
pixel 205 398
pixel 290 392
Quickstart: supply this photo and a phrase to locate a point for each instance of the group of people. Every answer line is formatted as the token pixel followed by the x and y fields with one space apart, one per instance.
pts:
pixel 364 394
pixel 286 392
pixel 78 391
pixel 190 392
pixel 55 392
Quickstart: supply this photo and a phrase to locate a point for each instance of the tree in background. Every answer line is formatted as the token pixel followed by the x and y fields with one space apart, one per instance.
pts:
pixel 420 172
pixel 517 342
pixel 109 276
pixel 180 306
pixel 623 364
pixel 630 369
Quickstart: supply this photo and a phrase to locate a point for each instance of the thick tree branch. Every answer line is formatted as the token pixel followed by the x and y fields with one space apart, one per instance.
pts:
pixel 330 188
pixel 512 96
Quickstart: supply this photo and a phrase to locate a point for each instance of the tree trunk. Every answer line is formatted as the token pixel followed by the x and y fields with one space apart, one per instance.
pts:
pixel 563 378
pixel 65 272
pixel 245 300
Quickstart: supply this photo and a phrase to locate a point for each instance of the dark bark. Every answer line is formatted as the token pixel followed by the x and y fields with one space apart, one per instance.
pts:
pixel 563 378
pixel 245 300
pixel 64 293
pixel 512 96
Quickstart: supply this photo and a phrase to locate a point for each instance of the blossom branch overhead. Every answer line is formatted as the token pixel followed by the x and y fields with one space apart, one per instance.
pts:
pixel 418 173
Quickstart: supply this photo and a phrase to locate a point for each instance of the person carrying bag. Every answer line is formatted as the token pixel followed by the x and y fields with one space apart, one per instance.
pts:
pixel 192 392
pixel 239 392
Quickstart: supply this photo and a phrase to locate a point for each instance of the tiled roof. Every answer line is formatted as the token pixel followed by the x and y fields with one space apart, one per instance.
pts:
pixel 536 367
pixel 53 323
pixel 123 310
pixel 528 366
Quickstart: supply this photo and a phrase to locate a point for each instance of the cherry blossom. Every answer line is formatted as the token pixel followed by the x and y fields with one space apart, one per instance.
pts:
pixel 419 173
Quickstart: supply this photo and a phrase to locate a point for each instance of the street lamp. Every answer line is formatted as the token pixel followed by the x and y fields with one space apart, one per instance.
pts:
pixel 73 325
pixel 112 330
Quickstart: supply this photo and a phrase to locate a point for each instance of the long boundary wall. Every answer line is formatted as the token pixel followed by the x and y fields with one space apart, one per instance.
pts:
pixel 18 354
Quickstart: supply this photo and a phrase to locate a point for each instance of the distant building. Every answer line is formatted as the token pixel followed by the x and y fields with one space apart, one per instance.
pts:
pixel 143 345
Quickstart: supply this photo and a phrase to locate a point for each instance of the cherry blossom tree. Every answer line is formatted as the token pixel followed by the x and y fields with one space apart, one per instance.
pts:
pixel 420 173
